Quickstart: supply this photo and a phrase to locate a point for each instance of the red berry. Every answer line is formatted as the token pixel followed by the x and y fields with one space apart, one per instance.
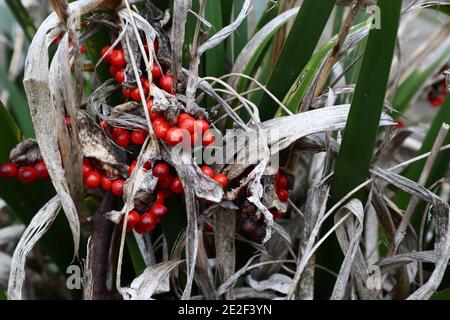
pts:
pixel 117 187
pixel 146 224
pixel 126 92
pixel 118 58
pixel 181 117
pixel 202 125
pixel 153 115
pixel 436 101
pixel 276 214
pixel 208 171
pixel 8 170
pixel 166 193
pixel 282 194
pixel 26 175
pixel 165 183
pixel 115 131
pixel 120 76
pixel 83 49
pixel 147 165
pixel 281 182
pixel 176 186
pixel 145 85
pixel 221 179
pixel 41 170
pixel 113 70
pixel 208 138
pixel 106 58
pixel 187 123
pixel 156 71
pixel 161 126
pixel 159 212
pixel 131 168
pixel 87 167
pixel 135 94
pixel 106 184
pixel 92 180
pixel 132 220
pixel 207 227
pixel 138 136
pixel 400 124
pixel 104 124
pixel 160 198
pixel 166 83
pixel 161 170
pixel 123 139
pixel 174 136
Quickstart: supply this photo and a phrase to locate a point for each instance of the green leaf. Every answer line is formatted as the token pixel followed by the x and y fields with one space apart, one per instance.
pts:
pixel 352 165
pixel 135 254
pixel 444 8
pixel 440 166
pixel 297 92
pixel 94 46
pixel 240 37
pixel 22 17
pixel 214 58
pixel 296 52
pixel 441 295
pixel 18 106
pixel 413 84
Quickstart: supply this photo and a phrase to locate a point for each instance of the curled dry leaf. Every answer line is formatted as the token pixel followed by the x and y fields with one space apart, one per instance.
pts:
pixel 26 153
pixel 153 280
pixel 38 226
pixel 277 282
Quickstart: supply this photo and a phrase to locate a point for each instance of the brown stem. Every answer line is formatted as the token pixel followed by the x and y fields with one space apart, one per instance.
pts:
pixel 99 245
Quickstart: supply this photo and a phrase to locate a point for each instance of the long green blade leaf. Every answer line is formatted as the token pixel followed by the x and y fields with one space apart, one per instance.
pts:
pixel 352 165
pixel 298 49
pixel 23 18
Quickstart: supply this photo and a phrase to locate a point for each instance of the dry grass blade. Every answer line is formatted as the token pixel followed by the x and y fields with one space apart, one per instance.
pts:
pixel 38 226
pixel 349 236
pixel 401 230
pixel 153 280
pixel 225 224
pixel 441 211
pixel 180 13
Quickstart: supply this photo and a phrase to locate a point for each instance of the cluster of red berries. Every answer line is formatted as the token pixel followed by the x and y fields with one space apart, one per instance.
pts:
pixel 249 217
pixel 197 130
pixel 438 93
pixel 123 137
pixel 168 185
pixel 26 175
pixel 93 179
pixel 117 61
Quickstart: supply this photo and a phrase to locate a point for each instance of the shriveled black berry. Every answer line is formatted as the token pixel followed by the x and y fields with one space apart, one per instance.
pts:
pixel 247 207
pixel 260 233
pixel 249 227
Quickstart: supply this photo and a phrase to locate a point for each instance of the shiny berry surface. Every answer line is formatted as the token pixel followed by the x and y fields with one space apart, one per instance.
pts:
pixel 41 170
pixel 221 179
pixel 117 187
pixel 8 170
pixel 161 170
pixel 26 175
pixel 92 180
pixel 176 186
